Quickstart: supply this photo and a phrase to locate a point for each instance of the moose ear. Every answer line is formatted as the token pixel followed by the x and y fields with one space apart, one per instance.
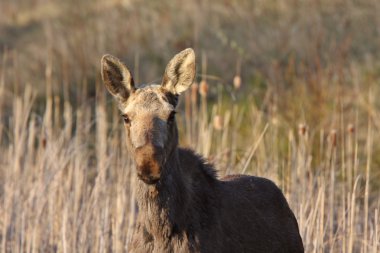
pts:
pixel 117 78
pixel 180 72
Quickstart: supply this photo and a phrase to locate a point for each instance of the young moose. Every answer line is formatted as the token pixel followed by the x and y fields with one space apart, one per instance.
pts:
pixel 182 206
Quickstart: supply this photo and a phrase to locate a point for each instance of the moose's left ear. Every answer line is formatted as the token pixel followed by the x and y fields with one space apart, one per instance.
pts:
pixel 180 72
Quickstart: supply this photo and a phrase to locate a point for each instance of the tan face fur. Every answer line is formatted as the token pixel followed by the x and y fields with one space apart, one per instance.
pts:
pixel 148 112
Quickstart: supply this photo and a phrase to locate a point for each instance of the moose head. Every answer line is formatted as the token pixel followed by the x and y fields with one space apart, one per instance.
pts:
pixel 149 112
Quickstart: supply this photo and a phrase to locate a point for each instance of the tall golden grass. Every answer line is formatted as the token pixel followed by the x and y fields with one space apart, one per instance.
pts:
pixel 67 181
pixel 308 117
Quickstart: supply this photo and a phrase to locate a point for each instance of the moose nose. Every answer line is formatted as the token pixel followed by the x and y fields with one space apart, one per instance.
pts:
pixel 149 159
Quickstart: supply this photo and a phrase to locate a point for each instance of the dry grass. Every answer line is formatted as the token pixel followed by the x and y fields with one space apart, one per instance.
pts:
pixel 307 117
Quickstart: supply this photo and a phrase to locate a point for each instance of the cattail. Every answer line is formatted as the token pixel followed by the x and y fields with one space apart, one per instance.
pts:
pixel 218 122
pixel 302 129
pixel 194 92
pixel 43 142
pixel 275 121
pixel 188 106
pixel 332 137
pixel 237 82
pixel 351 128
pixel 203 88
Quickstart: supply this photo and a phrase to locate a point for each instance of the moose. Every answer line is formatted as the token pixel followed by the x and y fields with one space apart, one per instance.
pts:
pixel 182 205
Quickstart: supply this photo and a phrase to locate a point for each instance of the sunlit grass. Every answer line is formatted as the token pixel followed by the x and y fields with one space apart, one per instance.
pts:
pixel 287 92
pixel 67 182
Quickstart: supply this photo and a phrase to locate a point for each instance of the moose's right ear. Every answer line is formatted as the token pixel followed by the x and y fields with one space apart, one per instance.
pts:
pixel 117 78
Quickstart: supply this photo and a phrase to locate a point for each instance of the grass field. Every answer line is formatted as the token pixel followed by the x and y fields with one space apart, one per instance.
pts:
pixel 284 91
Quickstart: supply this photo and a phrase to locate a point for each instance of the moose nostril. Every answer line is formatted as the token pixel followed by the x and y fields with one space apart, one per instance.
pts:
pixel 148 179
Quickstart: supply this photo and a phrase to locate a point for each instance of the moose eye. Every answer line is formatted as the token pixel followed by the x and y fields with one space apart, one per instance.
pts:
pixel 171 116
pixel 126 119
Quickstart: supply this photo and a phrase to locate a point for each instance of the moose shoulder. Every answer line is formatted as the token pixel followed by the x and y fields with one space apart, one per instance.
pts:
pixel 183 207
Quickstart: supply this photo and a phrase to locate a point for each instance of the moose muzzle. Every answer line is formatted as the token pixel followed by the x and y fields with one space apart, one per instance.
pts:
pixel 149 160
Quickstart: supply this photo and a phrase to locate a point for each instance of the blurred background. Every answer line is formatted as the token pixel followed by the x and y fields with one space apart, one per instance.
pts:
pixel 271 45
pixel 284 89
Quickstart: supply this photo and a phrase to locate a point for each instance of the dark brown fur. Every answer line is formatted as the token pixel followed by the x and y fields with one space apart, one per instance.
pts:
pixel 182 206
pixel 189 210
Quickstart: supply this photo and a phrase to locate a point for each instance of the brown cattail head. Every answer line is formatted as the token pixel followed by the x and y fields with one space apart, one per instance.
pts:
pixel 302 129
pixel 194 92
pixel 333 137
pixel 203 88
pixel 43 142
pixel 218 122
pixel 351 128
pixel 237 82
pixel 275 121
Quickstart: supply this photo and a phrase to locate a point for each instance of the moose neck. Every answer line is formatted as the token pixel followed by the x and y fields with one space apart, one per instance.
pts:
pixel 163 205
